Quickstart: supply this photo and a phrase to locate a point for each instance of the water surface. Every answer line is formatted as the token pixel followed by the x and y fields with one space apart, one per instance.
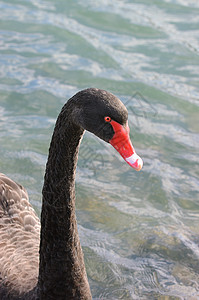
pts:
pixel 139 231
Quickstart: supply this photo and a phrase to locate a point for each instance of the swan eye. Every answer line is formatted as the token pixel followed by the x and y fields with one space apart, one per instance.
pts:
pixel 107 119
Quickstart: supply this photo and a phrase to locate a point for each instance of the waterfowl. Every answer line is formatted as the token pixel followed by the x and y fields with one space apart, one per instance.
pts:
pixel 45 260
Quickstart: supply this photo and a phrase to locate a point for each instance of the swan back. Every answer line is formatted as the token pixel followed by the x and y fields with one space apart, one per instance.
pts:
pixel 19 243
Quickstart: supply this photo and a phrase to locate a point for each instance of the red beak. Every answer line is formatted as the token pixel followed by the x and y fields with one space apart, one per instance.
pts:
pixel 122 143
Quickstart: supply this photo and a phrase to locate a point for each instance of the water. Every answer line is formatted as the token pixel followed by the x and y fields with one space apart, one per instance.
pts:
pixel 139 231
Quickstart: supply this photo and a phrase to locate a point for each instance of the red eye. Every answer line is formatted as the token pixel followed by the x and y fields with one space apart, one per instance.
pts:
pixel 107 119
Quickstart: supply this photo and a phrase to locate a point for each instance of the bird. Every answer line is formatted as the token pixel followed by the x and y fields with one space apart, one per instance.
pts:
pixel 44 259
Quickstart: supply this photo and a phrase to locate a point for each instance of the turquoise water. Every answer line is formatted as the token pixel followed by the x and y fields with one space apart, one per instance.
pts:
pixel 139 231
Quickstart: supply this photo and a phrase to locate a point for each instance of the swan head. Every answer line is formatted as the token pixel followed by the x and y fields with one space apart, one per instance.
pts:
pixel 103 114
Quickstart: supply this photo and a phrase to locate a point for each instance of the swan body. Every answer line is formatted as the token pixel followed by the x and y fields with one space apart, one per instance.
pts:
pixel 45 260
pixel 19 238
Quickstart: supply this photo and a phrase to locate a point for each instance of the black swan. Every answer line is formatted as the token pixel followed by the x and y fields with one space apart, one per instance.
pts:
pixel 57 270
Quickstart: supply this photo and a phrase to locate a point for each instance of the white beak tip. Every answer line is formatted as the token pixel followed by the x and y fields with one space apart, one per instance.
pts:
pixel 135 161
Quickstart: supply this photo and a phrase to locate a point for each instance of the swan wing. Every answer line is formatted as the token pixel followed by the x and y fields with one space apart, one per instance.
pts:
pixel 19 239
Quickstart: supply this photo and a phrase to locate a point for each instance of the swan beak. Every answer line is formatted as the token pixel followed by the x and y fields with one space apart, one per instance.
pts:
pixel 122 143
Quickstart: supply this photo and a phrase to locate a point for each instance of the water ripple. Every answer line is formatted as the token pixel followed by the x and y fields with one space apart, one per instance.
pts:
pixel 139 231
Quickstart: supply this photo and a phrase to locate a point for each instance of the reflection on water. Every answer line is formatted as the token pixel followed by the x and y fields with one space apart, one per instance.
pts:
pixel 139 231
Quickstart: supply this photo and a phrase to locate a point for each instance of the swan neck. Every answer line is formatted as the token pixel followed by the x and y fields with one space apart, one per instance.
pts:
pixel 62 270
